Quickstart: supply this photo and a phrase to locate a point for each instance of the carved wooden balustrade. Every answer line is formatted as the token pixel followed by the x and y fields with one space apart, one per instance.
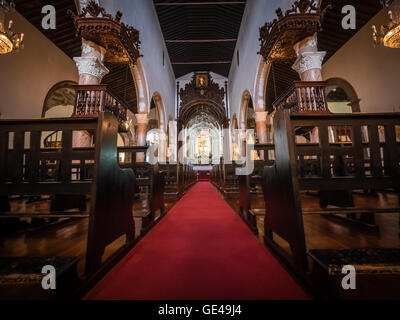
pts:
pixel 304 96
pixel 92 99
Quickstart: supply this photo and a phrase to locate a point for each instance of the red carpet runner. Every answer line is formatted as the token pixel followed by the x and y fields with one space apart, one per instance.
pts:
pixel 200 250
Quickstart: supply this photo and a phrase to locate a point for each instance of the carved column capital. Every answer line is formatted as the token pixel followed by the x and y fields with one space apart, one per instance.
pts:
pixel 142 118
pixel 309 60
pixel 91 66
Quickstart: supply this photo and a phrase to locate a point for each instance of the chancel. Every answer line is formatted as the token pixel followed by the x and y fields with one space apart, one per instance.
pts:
pixel 199 150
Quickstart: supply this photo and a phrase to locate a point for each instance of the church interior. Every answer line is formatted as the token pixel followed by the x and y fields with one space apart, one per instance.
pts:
pixel 199 150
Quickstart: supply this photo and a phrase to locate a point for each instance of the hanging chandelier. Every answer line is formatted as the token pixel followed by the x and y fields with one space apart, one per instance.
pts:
pixel 9 40
pixel 389 35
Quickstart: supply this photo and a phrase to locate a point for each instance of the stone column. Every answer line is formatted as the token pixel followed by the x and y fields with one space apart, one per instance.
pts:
pixel 309 66
pixel 162 145
pixel 261 128
pixel 142 121
pixel 309 59
pixel 91 71
pixel 172 142
pixel 90 65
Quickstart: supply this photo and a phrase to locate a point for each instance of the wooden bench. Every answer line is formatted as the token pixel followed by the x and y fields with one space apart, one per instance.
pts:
pixel 372 162
pixel 171 176
pixel 189 177
pixel 250 186
pixel 28 169
pixel 377 272
pixel 150 179
pixel 216 175
pixel 21 277
pixel 225 179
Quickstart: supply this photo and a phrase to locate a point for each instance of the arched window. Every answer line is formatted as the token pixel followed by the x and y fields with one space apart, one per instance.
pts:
pixel 60 100
pixel 341 96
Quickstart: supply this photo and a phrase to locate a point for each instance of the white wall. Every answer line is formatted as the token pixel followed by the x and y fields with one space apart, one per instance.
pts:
pixel 242 77
pixel 27 76
pixel 373 72
pixel 142 16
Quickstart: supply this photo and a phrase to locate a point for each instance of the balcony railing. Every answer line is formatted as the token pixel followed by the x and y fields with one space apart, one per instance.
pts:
pixel 304 97
pixel 92 99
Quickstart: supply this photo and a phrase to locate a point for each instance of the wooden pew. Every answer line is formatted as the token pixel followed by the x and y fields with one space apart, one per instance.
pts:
pixel 284 181
pixel 171 176
pixel 216 175
pixel 225 179
pixel 230 182
pixel 24 171
pixel 178 179
pixel 250 186
pixel 189 177
pixel 150 179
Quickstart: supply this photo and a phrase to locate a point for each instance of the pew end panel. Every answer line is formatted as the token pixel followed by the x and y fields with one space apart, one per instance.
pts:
pixel 365 157
pixel 112 196
pixel 71 176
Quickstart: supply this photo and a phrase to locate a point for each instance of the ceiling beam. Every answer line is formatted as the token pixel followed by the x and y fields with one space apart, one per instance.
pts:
pixel 200 41
pixel 201 62
pixel 205 3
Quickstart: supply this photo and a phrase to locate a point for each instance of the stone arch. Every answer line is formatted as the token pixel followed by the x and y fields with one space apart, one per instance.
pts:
pixel 261 85
pixel 234 123
pixel 162 127
pixel 246 98
pixel 161 111
pixel 349 90
pixel 142 91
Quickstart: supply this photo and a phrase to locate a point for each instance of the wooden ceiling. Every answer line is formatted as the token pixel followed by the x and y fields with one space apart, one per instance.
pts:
pixel 119 80
pixel 200 35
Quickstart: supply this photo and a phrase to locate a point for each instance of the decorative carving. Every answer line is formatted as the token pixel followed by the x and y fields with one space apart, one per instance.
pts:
pixel 304 97
pixel 92 66
pixel 92 99
pixel 206 90
pixel 279 36
pixel 121 41
pixel 309 60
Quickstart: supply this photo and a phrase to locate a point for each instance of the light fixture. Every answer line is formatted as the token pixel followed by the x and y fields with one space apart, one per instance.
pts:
pixel 389 35
pixel 9 40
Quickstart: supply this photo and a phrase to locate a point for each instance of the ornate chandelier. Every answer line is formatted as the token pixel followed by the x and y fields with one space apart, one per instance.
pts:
pixel 389 35
pixel 9 40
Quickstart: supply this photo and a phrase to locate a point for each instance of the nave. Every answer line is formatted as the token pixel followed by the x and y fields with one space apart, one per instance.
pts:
pixel 172 149
pixel 201 250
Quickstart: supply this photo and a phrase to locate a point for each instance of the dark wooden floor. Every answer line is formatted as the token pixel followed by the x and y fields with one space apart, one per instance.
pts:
pixel 69 237
pixel 324 232
pixel 64 238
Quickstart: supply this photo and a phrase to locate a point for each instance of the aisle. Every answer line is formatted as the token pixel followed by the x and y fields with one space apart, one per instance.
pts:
pixel 200 250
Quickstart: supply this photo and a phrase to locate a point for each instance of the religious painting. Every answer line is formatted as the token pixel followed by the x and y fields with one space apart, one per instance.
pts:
pixel 202 80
